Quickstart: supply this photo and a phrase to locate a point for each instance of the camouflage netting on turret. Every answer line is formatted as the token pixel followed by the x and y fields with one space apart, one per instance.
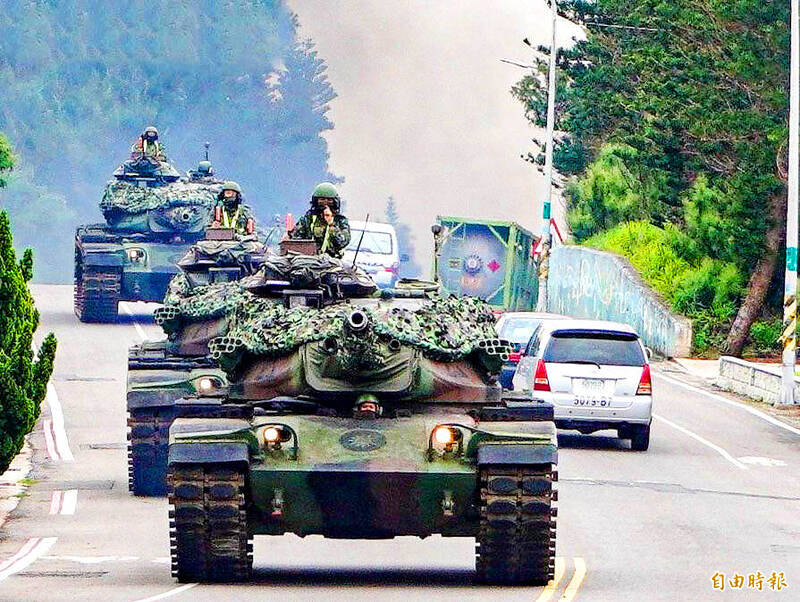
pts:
pixel 444 329
pixel 127 197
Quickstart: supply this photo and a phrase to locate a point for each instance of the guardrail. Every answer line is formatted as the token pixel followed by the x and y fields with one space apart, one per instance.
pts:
pixel 759 381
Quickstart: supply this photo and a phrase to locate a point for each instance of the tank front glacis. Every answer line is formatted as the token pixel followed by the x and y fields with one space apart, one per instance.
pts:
pixel 361 417
pixel 151 221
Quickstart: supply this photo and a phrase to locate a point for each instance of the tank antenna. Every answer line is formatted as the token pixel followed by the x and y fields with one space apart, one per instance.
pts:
pixel 360 240
pixel 207 145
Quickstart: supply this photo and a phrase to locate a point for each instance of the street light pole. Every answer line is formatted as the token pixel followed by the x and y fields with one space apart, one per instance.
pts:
pixel 790 280
pixel 547 237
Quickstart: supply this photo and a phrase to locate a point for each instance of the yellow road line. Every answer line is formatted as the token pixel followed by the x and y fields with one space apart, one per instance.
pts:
pixel 548 591
pixel 575 582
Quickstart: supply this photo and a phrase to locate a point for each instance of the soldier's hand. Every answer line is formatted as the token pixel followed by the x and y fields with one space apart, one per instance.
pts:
pixel 328 215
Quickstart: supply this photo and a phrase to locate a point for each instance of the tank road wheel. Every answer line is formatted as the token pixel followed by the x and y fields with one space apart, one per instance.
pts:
pixel 209 540
pixel 516 543
pixel 97 292
pixel 148 442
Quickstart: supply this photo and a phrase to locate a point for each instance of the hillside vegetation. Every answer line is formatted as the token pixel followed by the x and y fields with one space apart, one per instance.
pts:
pixel 674 116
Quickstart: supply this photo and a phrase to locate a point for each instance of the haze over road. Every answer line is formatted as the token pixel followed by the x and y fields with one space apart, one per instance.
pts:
pixel 424 111
pixel 645 525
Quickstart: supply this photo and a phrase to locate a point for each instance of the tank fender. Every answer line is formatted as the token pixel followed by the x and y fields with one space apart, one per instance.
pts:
pixel 103 255
pixel 199 440
pixel 498 454
pixel 216 452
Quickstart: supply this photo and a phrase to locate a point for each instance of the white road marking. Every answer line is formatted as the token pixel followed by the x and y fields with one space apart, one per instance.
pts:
pixel 759 461
pixel 730 402
pixel 49 440
pixel 705 442
pixel 57 416
pixel 92 559
pixel 168 594
pixel 69 502
pixel 575 582
pixel 27 555
pixel 139 330
pixel 55 501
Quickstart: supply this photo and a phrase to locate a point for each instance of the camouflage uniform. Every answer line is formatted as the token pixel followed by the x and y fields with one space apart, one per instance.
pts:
pixel 332 239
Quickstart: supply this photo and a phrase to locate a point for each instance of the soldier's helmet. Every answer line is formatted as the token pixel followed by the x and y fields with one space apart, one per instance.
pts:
pixel 204 168
pixel 150 133
pixel 325 190
pixel 230 185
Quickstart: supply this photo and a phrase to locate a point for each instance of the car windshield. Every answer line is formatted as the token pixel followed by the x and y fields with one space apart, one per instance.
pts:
pixel 374 242
pixel 603 348
pixel 518 330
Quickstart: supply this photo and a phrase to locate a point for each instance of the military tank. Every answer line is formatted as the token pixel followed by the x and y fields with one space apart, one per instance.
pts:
pixel 161 372
pixel 152 218
pixel 358 414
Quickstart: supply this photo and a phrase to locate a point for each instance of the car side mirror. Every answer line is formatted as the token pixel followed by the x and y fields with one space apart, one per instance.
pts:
pixel 404 257
pixel 649 353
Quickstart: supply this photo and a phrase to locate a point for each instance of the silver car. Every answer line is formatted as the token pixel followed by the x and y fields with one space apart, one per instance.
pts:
pixel 595 373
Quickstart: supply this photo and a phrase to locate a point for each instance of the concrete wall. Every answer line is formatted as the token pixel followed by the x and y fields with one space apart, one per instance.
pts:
pixel 759 381
pixel 585 283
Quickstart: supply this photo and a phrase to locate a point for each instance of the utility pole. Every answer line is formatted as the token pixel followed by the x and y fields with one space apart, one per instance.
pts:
pixel 790 280
pixel 547 237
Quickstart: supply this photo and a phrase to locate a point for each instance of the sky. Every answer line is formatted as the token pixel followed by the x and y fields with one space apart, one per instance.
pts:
pixel 424 111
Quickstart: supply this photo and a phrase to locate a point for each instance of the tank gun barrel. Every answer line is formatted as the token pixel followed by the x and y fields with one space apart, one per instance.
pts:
pixel 357 321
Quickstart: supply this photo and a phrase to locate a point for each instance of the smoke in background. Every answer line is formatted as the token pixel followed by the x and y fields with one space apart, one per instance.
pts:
pixel 424 111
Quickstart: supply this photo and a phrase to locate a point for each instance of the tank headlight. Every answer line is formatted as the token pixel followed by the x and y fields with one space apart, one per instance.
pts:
pixel 206 384
pixel 272 435
pixel 135 255
pixel 443 435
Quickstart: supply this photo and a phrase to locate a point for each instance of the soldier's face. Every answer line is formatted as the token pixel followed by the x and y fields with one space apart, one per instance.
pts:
pixel 324 203
pixel 229 195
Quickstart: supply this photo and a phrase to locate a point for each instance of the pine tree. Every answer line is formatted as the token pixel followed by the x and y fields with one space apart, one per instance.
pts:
pixel 23 380
pixel 411 268
pixel 6 159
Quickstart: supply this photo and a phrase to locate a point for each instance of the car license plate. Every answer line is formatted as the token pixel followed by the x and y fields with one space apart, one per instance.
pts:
pixel 586 401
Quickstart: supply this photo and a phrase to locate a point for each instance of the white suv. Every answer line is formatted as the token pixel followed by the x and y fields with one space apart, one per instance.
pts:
pixel 595 373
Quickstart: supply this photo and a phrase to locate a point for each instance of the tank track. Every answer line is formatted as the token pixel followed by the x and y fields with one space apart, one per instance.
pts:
pixel 97 292
pixel 516 543
pixel 148 443
pixel 209 540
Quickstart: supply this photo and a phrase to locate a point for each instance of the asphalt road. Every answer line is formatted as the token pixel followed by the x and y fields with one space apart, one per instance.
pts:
pixel 718 492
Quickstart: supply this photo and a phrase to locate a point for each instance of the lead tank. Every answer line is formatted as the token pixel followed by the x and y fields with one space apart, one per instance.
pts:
pixel 352 414
pixel 152 217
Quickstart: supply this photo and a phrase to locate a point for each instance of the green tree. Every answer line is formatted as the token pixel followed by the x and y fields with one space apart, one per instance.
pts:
pixel 23 380
pixel 6 159
pixel 696 91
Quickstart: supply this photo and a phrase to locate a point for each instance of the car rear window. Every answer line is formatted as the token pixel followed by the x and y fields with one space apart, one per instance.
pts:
pixel 518 330
pixel 604 348
pixel 374 242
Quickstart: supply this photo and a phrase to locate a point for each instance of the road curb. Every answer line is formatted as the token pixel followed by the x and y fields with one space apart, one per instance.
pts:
pixel 11 485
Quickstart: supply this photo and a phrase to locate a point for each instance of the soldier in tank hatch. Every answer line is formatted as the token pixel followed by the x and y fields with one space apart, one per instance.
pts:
pixel 323 223
pixel 231 212
pixel 148 145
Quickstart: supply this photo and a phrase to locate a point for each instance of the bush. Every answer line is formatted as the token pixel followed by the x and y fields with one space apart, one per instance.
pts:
pixel 705 290
pixel 23 381
pixel 765 335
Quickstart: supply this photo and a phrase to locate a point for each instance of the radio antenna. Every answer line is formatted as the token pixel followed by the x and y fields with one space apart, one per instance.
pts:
pixel 360 240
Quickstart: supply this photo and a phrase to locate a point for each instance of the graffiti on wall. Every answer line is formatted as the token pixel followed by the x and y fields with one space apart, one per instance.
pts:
pixel 585 283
